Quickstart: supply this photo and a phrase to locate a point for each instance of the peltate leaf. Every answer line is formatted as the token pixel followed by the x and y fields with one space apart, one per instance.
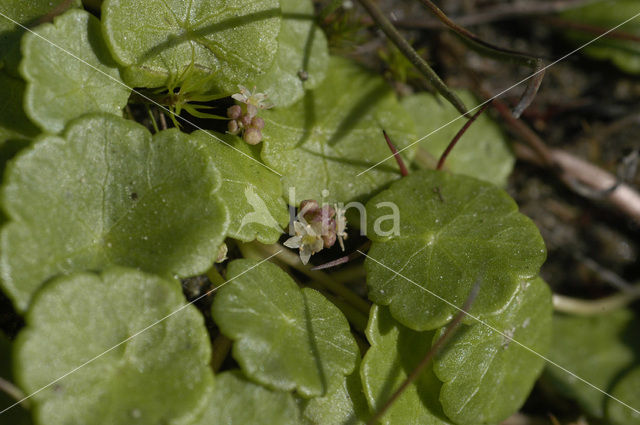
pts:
pixel 628 391
pixel 482 152
pixel 252 193
pixel 165 42
pixel 60 86
pixel 344 404
pixel 23 13
pixel 236 400
pixel 450 232
pixel 302 58
pixel 17 415
pixel 625 54
pixel 160 375
pixel 334 133
pixel 395 352
pixel 105 193
pixel 285 338
pixel 486 376
pixel 596 348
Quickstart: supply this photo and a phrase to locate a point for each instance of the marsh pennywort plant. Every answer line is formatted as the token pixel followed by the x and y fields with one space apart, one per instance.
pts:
pixel 105 218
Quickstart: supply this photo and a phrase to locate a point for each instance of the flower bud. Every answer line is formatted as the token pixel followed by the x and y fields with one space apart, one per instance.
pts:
pixel 253 136
pixel 257 122
pixel 233 127
pixel 234 112
pixel 245 120
pixel 309 208
pixel 329 239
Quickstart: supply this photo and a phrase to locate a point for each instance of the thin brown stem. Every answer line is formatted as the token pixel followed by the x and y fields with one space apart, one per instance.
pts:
pixel 435 348
pixel 593 29
pixel 488 48
pixel 460 133
pixel 396 155
pixel 403 45
pixel 343 260
pixel 292 260
pixel 14 392
pixel 500 12
pixel 498 53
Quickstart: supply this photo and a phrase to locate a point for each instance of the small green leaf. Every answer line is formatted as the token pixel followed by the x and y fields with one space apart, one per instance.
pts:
pixel 452 231
pixel 487 377
pixel 302 53
pixel 334 133
pixel 285 338
pixel 627 389
pixel 61 87
pixel 105 193
pixel 160 375
pixel 165 42
pixel 14 124
pixel 625 54
pixel 235 400
pixel 251 191
pixel 17 415
pixel 344 404
pixel 25 13
pixel 482 152
pixel 395 352
pixel 597 349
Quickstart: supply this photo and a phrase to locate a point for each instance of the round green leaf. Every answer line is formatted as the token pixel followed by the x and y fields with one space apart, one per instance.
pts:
pixel 165 42
pixel 334 133
pixel 302 53
pixel 627 390
pixel 395 352
pixel 235 400
pixel 625 54
pixel 344 404
pixel 487 377
pixel 26 13
pixel 452 231
pixel 61 87
pixel 158 376
pixel 596 348
pixel 251 191
pixel 105 193
pixel 285 338
pixel 14 124
pixel 482 152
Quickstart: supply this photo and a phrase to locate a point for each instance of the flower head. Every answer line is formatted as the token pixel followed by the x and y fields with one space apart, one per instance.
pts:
pixel 244 119
pixel 258 100
pixel 306 239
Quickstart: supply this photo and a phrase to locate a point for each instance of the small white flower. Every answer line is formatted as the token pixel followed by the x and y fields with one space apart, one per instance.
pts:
pixel 341 226
pixel 306 239
pixel 257 100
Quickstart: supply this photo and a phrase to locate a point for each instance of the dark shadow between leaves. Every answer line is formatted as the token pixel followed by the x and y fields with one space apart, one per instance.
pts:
pixel 367 103
pixel 354 162
pixel 314 346
pixel 309 106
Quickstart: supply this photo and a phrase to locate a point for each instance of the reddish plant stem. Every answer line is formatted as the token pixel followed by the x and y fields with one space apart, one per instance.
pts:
pixel 592 29
pixel 457 137
pixel 396 155
pixel 343 260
